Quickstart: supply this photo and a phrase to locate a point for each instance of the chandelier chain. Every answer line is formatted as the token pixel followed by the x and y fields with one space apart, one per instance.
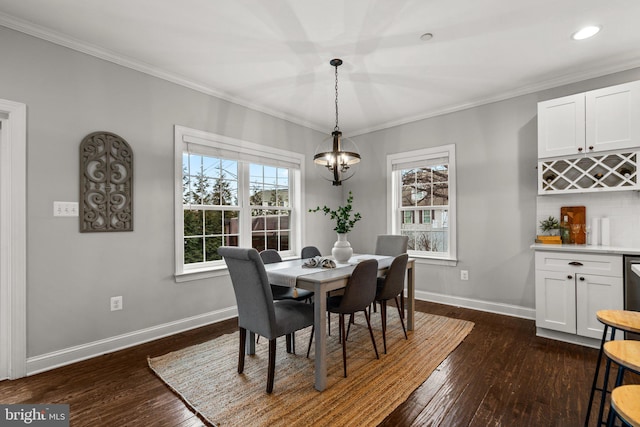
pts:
pixel 337 127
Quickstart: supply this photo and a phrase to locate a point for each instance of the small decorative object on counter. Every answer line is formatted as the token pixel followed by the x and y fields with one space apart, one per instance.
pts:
pixel 550 227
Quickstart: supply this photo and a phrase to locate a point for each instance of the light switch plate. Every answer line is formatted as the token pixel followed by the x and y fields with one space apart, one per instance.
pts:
pixel 65 208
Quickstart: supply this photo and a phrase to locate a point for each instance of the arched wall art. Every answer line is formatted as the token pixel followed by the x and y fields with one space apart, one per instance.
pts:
pixel 106 183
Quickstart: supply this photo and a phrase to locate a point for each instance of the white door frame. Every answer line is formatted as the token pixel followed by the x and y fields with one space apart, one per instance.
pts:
pixel 13 240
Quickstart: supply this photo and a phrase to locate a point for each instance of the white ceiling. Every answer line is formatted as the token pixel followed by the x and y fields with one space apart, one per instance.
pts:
pixel 273 55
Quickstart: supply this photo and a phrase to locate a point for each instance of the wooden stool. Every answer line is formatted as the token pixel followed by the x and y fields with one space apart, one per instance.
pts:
pixel 626 354
pixel 624 320
pixel 625 402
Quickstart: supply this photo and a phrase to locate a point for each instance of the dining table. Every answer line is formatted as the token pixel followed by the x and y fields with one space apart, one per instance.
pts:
pixel 322 281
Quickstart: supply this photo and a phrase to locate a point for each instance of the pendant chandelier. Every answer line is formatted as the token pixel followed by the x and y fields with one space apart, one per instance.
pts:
pixel 336 155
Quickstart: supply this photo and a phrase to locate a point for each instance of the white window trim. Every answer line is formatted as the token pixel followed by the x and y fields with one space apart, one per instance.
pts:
pixel 184 135
pixel 393 197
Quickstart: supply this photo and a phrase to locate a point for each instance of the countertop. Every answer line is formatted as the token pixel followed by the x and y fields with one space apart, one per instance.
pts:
pixel 595 249
pixel 636 268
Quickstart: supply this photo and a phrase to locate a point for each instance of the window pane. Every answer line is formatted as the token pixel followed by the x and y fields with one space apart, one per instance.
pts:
pixel 440 173
pixel 258 241
pixel 440 194
pixel 423 176
pixel 193 223
pixel 211 248
pixel 193 251
pixel 270 175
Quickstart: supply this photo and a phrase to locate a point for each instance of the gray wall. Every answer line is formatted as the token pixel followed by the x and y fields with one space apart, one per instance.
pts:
pixel 496 157
pixel 71 275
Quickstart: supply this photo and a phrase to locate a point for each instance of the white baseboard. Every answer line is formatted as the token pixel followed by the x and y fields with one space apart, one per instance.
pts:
pixel 70 355
pixel 474 304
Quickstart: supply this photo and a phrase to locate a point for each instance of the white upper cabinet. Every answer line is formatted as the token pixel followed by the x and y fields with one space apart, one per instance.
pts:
pixel 591 122
pixel 561 130
pixel 613 117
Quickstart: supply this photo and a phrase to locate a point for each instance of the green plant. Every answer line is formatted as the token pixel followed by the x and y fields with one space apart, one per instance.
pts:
pixel 550 223
pixel 342 215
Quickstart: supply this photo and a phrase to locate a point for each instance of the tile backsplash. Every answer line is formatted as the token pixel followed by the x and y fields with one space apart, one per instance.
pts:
pixel 621 207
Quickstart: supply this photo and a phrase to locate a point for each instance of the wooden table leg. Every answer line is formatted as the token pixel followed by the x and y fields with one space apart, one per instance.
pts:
pixel 411 296
pixel 251 343
pixel 320 322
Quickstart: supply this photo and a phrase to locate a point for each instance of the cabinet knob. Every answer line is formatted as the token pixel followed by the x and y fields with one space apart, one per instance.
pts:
pixel 591 147
pixel 582 278
pixel 580 149
pixel 569 277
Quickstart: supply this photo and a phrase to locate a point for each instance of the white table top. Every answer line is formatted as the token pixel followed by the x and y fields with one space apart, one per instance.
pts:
pixel 636 268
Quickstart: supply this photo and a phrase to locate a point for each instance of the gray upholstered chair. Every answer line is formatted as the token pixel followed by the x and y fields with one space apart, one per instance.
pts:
pixel 391 244
pixel 309 252
pixel 257 312
pixel 270 256
pixel 358 296
pixel 389 287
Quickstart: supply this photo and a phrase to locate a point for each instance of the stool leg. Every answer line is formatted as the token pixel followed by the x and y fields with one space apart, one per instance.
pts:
pixel 612 415
pixel 605 384
pixel 595 376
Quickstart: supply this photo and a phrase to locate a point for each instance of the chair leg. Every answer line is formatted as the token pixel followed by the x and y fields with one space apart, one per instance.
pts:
pixel 291 343
pixel 243 341
pixel 344 345
pixel 383 319
pixel 272 365
pixel 310 339
pixel 401 319
pixel 373 340
pixel 349 325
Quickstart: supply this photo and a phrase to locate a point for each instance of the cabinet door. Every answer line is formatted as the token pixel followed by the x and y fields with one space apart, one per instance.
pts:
pixel 612 117
pixel 595 293
pixel 561 130
pixel 556 301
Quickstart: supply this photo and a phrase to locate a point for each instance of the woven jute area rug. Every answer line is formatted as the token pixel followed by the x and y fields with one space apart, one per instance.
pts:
pixel 205 376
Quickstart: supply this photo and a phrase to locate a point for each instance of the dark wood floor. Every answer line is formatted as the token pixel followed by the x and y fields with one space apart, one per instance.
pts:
pixel 501 375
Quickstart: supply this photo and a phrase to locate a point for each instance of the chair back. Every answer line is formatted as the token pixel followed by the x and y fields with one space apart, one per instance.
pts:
pixel 391 244
pixel 361 287
pixel 256 312
pixel 394 280
pixel 309 252
pixel 269 256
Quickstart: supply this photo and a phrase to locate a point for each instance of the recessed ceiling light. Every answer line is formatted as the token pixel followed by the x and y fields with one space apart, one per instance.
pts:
pixel 426 37
pixel 586 32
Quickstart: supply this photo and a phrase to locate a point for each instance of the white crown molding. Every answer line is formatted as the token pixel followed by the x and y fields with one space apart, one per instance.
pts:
pixel 46 34
pixel 107 55
pixel 570 78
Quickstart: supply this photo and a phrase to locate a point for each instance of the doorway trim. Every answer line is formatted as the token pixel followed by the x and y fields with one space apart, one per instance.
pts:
pixel 13 240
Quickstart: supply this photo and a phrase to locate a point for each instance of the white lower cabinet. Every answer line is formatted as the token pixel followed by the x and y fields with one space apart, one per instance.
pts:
pixel 572 287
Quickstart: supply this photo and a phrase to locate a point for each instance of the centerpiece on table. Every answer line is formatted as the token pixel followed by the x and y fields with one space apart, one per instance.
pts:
pixel 345 221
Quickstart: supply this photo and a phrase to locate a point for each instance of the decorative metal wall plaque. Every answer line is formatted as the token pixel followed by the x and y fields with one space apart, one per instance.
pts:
pixel 106 183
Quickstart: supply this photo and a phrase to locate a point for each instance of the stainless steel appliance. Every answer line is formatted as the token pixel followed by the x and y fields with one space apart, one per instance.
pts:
pixel 631 289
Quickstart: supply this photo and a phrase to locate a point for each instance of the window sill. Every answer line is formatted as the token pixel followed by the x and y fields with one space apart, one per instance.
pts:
pixel 202 273
pixel 421 259
pixel 209 272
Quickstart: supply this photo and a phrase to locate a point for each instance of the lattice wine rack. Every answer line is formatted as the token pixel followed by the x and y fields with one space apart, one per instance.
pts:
pixel 606 172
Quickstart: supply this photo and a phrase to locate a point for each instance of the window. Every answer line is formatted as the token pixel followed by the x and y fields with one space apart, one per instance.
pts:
pixel 422 200
pixel 233 193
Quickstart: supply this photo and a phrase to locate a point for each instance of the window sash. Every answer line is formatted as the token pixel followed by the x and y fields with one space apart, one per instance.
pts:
pixel 399 215
pixel 196 142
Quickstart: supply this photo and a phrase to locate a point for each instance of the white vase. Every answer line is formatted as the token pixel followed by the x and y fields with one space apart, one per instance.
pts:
pixel 342 250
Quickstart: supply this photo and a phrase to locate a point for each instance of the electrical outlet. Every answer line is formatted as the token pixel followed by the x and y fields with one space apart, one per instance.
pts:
pixel 65 208
pixel 116 303
pixel 464 274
